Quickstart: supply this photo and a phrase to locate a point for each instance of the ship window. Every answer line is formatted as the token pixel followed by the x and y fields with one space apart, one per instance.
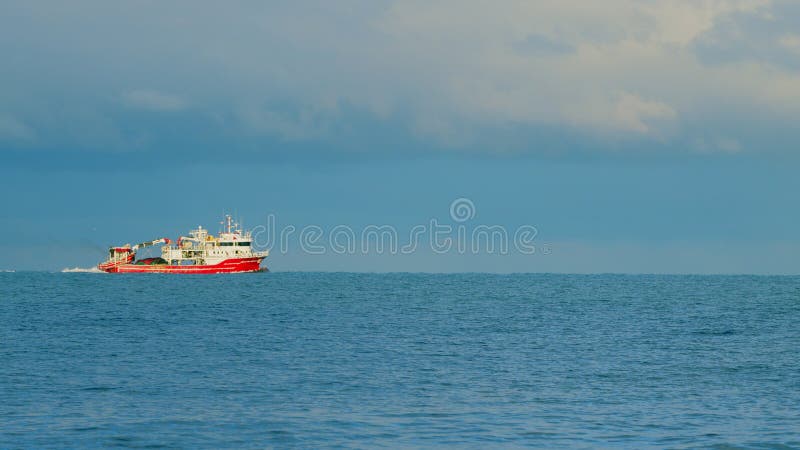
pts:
pixel 243 244
pixel 226 244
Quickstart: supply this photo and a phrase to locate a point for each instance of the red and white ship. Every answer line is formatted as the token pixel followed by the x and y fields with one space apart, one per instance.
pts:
pixel 229 252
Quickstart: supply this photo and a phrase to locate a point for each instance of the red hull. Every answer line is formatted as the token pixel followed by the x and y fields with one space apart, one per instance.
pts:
pixel 238 265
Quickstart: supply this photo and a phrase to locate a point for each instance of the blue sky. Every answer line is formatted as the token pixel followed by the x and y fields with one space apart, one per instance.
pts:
pixel 636 136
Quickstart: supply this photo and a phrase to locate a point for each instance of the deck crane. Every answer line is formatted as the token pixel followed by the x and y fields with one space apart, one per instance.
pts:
pixel 149 243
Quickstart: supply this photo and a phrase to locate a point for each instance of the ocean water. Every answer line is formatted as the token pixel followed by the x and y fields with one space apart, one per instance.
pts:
pixel 313 360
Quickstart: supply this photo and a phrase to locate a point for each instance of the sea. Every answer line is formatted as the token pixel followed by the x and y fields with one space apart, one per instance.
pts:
pixel 346 360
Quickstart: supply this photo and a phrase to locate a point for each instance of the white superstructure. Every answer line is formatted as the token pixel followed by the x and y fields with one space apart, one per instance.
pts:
pixel 202 248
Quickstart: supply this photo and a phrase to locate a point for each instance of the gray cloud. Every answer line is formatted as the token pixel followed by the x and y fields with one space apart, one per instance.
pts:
pixel 537 44
pixel 769 35
pixel 152 100
pixel 449 73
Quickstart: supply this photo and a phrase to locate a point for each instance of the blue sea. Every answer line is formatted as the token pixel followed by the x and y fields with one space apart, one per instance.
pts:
pixel 320 360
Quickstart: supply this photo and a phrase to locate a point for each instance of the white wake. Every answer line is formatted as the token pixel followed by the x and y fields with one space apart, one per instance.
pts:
pixel 81 270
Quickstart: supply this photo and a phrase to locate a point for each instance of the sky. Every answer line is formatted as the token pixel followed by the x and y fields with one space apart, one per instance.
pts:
pixel 634 136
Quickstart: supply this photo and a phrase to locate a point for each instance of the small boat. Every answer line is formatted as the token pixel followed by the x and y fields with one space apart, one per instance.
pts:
pixel 230 251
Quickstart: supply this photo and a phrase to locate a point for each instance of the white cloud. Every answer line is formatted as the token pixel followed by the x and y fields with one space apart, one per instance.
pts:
pixel 632 113
pixel 791 42
pixel 477 69
pixel 627 113
pixel 152 100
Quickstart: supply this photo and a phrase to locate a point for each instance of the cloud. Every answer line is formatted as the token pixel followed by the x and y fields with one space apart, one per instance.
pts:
pixel 791 42
pixel 14 129
pixel 765 35
pixel 719 144
pixel 306 123
pixel 152 100
pixel 627 113
pixel 537 44
pixel 623 67
pixel 452 73
pixel 633 113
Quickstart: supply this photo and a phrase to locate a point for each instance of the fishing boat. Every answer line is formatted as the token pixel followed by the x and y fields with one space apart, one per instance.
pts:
pixel 231 251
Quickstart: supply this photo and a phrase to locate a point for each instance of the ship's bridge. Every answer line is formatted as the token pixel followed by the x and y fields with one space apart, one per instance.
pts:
pixel 200 247
pixel 234 240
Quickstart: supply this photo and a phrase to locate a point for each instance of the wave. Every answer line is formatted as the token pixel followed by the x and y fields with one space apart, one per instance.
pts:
pixel 81 270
